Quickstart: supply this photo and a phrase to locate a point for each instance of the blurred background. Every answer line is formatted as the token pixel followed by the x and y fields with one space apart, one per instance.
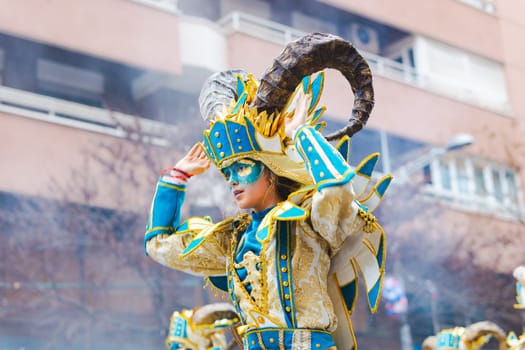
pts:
pixel 96 97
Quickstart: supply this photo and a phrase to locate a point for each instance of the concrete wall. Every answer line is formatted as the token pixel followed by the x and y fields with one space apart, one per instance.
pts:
pixel 447 20
pixel 123 31
pixel 37 155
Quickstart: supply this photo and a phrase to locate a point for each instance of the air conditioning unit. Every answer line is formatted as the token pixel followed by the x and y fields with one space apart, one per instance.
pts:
pixel 365 38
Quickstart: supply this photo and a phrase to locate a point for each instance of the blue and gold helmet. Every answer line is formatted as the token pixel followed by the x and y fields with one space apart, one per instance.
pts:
pixel 247 116
pixel 241 132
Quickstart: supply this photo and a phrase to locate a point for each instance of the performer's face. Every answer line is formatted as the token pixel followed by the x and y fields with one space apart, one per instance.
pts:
pixel 248 183
pixel 243 172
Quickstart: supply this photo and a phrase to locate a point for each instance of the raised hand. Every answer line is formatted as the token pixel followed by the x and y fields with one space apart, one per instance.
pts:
pixel 195 161
pixel 300 115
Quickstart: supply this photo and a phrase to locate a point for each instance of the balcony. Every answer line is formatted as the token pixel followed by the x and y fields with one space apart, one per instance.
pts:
pixel 488 6
pixel 476 185
pixel 202 50
pixel 162 5
pixel 458 22
pixel 121 31
pixel 79 116
pixel 460 90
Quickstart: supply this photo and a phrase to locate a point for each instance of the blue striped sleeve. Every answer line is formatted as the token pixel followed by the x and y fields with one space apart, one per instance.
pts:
pixel 324 163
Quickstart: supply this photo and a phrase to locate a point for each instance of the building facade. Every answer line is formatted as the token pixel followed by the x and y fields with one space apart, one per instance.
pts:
pixel 97 96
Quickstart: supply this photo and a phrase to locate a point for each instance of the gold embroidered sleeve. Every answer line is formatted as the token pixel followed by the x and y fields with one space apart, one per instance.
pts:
pixel 208 259
pixel 333 214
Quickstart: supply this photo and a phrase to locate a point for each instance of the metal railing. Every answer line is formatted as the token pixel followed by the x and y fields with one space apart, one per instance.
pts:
pixel 488 6
pixel 282 34
pixel 385 67
pixel 57 111
pixel 259 28
pixel 170 6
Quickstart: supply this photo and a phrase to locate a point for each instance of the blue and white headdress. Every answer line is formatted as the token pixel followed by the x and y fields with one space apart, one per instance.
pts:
pixel 247 116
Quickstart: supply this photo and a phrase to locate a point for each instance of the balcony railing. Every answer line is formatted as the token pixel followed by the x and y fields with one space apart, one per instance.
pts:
pixel 281 34
pixel 259 28
pixel 57 111
pixel 170 6
pixel 488 6
pixel 387 68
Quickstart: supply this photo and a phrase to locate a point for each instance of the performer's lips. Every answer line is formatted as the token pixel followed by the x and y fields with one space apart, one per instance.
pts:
pixel 236 193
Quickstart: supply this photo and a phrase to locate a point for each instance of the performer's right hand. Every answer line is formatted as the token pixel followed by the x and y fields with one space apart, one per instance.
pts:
pixel 195 161
pixel 300 115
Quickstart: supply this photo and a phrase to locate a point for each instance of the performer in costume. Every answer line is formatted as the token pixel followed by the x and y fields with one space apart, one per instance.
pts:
pixel 202 328
pixel 519 275
pixel 472 337
pixel 518 342
pixel 514 342
pixel 291 266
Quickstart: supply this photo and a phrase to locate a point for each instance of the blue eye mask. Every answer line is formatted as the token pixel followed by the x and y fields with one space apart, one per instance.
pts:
pixel 243 172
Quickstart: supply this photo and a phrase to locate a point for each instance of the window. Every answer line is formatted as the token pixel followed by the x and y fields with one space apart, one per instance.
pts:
pixel 402 150
pixel 427 175
pixel 259 8
pixel 402 51
pixel 307 23
pixel 1 65
pixel 462 75
pixel 363 143
pixel 479 181
pixel 512 189
pixel 475 184
pixel 444 174
pixel 462 175
pixel 484 5
pixel 70 83
pixel 497 184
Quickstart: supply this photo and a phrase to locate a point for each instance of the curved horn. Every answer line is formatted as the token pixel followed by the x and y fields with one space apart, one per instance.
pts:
pixel 479 329
pixel 307 55
pixel 210 313
pixel 429 343
pixel 218 91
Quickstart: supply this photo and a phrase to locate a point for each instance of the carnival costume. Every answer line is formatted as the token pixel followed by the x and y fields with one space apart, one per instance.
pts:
pixel 472 337
pixel 202 328
pixel 515 342
pixel 519 275
pixel 291 270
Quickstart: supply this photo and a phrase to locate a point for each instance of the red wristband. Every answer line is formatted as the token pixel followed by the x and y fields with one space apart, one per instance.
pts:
pixel 182 172
pixel 188 175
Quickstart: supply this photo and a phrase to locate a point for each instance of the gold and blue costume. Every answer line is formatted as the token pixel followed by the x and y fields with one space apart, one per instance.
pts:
pixel 519 275
pixel 515 342
pixel 474 336
pixel 291 271
pixel 202 328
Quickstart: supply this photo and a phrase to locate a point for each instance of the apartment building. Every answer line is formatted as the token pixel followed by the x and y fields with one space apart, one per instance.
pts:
pixel 97 96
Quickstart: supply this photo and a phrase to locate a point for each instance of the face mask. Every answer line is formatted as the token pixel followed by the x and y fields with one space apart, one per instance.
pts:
pixel 243 172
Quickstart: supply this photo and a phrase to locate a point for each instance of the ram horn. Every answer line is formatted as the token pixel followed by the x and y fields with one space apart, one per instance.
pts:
pixel 208 314
pixel 483 328
pixel 218 91
pixel 310 54
pixel 429 343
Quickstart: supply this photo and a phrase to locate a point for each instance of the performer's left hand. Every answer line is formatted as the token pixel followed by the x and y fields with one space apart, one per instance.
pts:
pixel 302 103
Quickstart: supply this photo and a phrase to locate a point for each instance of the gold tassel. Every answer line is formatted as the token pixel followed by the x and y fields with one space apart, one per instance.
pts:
pixel 369 219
